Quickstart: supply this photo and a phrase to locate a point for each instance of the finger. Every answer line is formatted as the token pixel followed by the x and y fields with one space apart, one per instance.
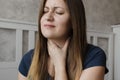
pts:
pixel 48 44
pixel 53 44
pixel 50 47
pixel 66 44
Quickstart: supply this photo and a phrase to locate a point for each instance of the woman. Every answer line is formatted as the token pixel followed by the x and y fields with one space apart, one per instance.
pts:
pixel 62 52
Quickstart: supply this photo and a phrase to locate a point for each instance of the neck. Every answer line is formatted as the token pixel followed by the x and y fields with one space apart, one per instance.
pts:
pixel 59 43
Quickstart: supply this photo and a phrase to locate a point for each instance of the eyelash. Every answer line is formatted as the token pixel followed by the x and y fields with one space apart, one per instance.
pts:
pixel 45 11
pixel 60 13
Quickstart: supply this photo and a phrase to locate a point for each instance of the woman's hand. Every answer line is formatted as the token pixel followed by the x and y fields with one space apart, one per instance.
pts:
pixel 57 54
pixel 58 57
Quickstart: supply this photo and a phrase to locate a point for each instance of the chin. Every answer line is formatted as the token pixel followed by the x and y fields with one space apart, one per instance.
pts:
pixel 48 36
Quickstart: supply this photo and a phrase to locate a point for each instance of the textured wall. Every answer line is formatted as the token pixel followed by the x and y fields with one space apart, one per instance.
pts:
pixel 100 13
pixel 7 45
pixel 24 10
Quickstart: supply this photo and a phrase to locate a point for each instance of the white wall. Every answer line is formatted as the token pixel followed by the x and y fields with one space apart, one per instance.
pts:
pixel 8 74
pixel 116 30
pixel 101 14
pixel 9 68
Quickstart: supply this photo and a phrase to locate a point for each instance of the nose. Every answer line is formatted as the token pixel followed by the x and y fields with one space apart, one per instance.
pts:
pixel 49 16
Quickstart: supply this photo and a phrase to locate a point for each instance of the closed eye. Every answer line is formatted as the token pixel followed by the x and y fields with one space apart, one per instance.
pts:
pixel 60 13
pixel 46 10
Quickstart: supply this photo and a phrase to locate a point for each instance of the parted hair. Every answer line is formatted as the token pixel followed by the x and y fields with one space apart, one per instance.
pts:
pixel 75 52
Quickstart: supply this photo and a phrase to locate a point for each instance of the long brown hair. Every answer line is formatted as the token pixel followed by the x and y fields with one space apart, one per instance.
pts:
pixel 76 50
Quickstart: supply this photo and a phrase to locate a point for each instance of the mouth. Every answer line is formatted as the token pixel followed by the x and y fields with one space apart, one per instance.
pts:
pixel 49 26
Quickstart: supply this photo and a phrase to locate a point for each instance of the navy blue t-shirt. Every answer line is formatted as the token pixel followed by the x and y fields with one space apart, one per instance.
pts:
pixel 95 56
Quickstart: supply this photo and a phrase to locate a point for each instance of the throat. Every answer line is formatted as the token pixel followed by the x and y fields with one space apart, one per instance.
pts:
pixel 59 43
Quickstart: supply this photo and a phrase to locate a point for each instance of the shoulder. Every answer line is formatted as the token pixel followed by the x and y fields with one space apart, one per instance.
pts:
pixel 26 62
pixel 28 55
pixel 95 56
pixel 94 51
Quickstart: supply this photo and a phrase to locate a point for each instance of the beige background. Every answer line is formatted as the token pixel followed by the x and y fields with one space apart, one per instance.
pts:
pixel 100 13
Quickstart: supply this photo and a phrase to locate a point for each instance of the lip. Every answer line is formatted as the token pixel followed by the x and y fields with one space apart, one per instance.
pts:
pixel 49 25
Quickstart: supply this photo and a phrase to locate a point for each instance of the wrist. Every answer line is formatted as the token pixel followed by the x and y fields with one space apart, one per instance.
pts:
pixel 60 73
pixel 60 64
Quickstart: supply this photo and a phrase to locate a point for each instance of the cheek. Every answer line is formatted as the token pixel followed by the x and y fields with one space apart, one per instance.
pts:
pixel 62 21
pixel 63 27
pixel 41 23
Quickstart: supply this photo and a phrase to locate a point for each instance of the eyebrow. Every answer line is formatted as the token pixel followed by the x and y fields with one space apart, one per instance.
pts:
pixel 55 7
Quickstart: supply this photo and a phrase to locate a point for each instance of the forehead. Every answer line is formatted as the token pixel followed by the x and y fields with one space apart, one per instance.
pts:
pixel 54 3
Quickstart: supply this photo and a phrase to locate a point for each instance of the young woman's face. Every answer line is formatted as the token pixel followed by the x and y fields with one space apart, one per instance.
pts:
pixel 55 20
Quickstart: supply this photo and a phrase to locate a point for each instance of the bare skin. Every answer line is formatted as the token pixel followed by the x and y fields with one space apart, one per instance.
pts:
pixel 57 69
pixel 54 27
pixel 58 57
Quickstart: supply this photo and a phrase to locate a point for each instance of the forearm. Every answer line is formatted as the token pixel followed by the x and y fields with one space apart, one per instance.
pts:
pixel 60 73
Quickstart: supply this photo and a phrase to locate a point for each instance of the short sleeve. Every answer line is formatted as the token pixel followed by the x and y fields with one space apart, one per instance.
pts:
pixel 95 57
pixel 25 63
